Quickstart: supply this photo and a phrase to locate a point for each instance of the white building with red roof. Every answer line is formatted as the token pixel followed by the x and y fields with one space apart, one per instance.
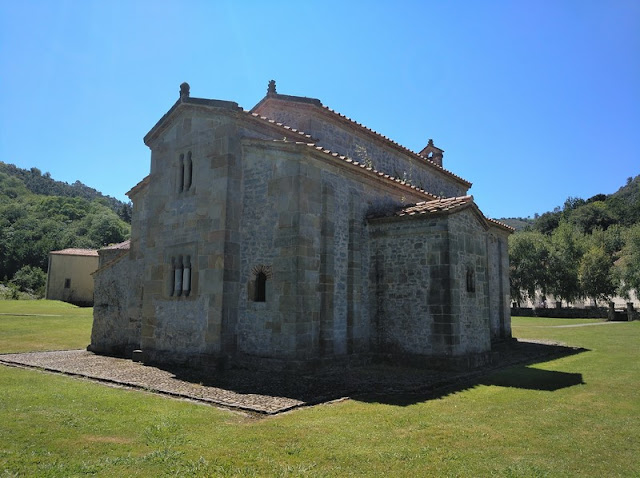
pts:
pixel 69 275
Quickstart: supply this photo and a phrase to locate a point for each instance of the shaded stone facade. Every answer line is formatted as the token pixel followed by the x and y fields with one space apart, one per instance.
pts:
pixel 289 236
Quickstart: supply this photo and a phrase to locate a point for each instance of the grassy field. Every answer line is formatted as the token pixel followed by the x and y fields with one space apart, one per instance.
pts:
pixel 30 325
pixel 574 416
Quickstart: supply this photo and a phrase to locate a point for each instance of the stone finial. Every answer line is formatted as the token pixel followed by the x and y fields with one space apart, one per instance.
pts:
pixel 184 90
pixel 271 89
pixel 430 143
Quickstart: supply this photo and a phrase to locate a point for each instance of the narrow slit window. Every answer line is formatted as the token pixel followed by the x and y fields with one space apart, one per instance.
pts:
pixel 186 277
pixel 260 289
pixel 181 173
pixel 177 284
pixel 67 283
pixel 188 172
pixel 471 281
pixel 172 277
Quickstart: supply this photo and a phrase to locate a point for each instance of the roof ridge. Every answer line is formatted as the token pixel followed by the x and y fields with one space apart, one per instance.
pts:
pixel 361 165
pixel 395 144
pixel 77 251
pixel 277 123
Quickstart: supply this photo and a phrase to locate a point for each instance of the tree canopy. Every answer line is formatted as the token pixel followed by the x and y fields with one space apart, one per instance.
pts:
pixel 586 249
pixel 35 220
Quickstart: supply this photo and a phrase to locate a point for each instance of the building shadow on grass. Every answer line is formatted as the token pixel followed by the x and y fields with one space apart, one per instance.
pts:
pixel 401 386
pixel 533 379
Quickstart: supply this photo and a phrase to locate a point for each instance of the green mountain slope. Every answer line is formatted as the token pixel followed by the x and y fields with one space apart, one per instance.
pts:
pixel 39 214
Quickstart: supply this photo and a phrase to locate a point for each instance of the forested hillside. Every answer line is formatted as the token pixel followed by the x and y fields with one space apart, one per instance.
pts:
pixel 585 249
pixel 39 214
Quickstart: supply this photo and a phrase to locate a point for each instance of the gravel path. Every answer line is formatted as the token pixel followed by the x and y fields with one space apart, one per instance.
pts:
pixel 272 393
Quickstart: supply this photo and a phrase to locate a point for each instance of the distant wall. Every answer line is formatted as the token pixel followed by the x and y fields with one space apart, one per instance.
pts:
pixel 561 313
pixel 69 278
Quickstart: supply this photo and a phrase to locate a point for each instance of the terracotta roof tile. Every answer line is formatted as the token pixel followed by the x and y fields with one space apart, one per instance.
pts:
pixel 76 252
pixel 125 245
pixel 138 187
pixel 444 206
pixel 389 141
pixel 363 166
pixel 501 224
pixel 441 205
pixel 299 135
pixel 397 145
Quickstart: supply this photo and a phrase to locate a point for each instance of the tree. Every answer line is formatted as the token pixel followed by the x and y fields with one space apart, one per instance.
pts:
pixel 30 279
pixel 107 228
pixel 547 222
pixel 572 203
pixel 631 262
pixel 597 277
pixel 568 246
pixel 125 212
pixel 529 254
pixel 591 216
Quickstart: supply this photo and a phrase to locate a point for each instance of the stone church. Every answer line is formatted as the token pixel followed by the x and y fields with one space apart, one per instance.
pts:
pixel 289 237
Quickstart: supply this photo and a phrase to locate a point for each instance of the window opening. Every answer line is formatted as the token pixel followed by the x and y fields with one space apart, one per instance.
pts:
pixel 181 173
pixel 260 290
pixel 177 281
pixel 186 277
pixel 188 172
pixel 67 283
pixel 172 277
pixel 471 281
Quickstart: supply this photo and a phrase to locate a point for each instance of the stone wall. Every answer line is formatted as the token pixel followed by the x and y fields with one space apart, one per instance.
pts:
pixel 303 222
pixel 498 264
pixel 191 221
pixel 430 286
pixel 351 141
pixel 117 310
pixel 562 312
pixel 469 281
pixel 409 283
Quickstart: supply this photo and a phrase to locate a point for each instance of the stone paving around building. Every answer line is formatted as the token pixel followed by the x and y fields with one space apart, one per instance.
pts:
pixel 273 393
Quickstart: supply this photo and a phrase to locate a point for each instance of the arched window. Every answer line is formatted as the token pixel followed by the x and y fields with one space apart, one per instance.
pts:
pixel 471 280
pixel 260 287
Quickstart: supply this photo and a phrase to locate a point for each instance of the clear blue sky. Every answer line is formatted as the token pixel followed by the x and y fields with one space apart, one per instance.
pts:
pixel 532 101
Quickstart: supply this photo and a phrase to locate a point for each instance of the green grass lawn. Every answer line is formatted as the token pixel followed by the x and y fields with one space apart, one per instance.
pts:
pixel 30 325
pixel 510 423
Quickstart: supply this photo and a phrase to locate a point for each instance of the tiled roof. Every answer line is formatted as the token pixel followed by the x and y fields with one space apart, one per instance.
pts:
pixel 443 205
pixel 297 134
pixel 76 252
pixel 346 159
pixel 343 118
pixel 501 224
pixel 125 245
pixel 398 146
pixel 138 187
pixel 364 167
